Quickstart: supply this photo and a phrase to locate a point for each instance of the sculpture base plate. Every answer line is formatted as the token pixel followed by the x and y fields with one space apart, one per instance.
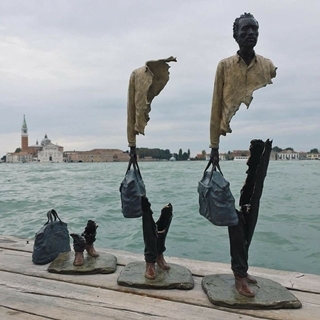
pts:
pixel 63 263
pixel 269 294
pixel 177 277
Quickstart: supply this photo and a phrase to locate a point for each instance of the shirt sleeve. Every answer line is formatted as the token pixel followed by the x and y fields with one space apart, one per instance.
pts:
pixel 131 112
pixel 216 109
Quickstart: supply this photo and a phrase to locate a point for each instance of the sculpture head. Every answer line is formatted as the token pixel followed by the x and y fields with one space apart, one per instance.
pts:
pixel 246 31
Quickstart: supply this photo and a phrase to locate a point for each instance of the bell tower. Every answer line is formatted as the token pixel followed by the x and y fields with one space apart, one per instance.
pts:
pixel 24 135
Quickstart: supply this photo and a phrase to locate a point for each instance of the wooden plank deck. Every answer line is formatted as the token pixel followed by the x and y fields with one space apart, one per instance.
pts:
pixel 29 292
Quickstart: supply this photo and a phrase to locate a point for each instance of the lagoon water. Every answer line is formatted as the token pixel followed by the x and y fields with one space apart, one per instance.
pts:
pixel 287 235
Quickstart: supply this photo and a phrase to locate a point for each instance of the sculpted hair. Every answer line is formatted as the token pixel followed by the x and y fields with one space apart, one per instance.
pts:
pixel 236 23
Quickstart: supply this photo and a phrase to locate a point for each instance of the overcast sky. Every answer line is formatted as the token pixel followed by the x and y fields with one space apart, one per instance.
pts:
pixel 66 64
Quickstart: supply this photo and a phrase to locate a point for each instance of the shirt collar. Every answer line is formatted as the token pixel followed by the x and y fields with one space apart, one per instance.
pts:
pixel 255 59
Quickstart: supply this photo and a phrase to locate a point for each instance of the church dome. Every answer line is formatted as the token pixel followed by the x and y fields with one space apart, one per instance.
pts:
pixel 45 141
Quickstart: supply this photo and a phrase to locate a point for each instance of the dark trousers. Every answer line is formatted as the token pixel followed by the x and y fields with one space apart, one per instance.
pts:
pixel 240 236
pixel 154 234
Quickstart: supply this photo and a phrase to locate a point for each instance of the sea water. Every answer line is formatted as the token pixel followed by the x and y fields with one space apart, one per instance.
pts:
pixel 287 234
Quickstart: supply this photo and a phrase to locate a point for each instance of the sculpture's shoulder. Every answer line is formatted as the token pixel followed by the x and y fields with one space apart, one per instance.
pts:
pixel 229 60
pixel 139 71
pixel 266 63
pixel 263 60
pixel 227 65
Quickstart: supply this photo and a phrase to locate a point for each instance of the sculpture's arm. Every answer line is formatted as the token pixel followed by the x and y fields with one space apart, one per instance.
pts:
pixel 131 112
pixel 216 109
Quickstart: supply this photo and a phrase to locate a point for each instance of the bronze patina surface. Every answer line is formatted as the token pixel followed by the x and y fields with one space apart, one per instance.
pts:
pixel 105 263
pixel 177 277
pixel 269 294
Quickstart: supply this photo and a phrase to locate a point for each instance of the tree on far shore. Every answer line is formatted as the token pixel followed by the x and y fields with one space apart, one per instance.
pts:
pixel 155 153
pixel 276 149
pixel 181 156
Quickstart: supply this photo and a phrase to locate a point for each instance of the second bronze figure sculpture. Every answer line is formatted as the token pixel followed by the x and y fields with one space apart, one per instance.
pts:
pixel 146 83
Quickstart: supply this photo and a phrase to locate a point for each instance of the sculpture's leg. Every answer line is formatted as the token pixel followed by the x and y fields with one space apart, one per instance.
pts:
pixel 242 286
pixel 241 235
pixel 150 239
pixel 238 250
pixel 261 153
pixel 89 234
pixel 78 246
pixel 163 225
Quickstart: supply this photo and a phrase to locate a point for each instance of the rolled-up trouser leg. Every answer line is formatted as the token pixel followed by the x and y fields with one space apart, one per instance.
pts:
pixel 90 232
pixel 163 225
pixel 149 236
pixel 78 242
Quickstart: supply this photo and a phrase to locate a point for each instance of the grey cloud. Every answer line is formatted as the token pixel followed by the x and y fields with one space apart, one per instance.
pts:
pixel 66 65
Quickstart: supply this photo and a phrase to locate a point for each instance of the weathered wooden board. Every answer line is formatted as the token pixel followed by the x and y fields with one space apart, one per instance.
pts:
pixel 58 300
pixel 289 279
pixel 14 263
pixel 8 314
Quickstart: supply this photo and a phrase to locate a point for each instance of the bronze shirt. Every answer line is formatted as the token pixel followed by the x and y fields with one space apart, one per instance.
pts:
pixel 234 84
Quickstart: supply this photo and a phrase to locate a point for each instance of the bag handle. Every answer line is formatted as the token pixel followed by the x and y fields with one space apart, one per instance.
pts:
pixel 52 216
pixel 213 168
pixel 133 161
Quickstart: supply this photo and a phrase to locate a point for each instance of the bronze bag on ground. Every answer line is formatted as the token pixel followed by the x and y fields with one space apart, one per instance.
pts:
pixel 52 239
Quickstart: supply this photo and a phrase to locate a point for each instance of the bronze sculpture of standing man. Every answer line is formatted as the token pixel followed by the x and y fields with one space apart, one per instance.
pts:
pixel 236 79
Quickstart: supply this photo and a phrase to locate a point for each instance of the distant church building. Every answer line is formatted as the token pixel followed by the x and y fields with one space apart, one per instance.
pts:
pixel 50 152
pixel 45 152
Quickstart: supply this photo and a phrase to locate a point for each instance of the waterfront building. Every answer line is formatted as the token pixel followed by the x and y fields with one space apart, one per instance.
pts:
pixel 287 155
pixel 222 156
pixel 45 152
pixel 18 157
pixel 97 155
pixel 49 152
pixel 313 156
pixel 245 158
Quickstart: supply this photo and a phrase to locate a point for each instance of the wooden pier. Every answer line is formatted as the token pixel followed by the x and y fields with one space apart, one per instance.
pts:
pixel 30 292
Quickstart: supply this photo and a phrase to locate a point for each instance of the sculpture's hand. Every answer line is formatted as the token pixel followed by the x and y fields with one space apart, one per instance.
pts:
pixel 133 152
pixel 214 156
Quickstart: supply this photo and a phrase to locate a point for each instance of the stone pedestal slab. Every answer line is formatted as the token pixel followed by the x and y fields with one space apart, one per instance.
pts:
pixel 105 263
pixel 269 294
pixel 177 277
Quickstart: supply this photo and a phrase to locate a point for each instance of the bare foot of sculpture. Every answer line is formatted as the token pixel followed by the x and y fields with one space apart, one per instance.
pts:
pixel 91 251
pixel 251 279
pixel 78 259
pixel 162 263
pixel 242 287
pixel 150 271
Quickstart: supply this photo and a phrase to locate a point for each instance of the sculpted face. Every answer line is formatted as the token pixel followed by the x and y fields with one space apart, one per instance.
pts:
pixel 248 32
